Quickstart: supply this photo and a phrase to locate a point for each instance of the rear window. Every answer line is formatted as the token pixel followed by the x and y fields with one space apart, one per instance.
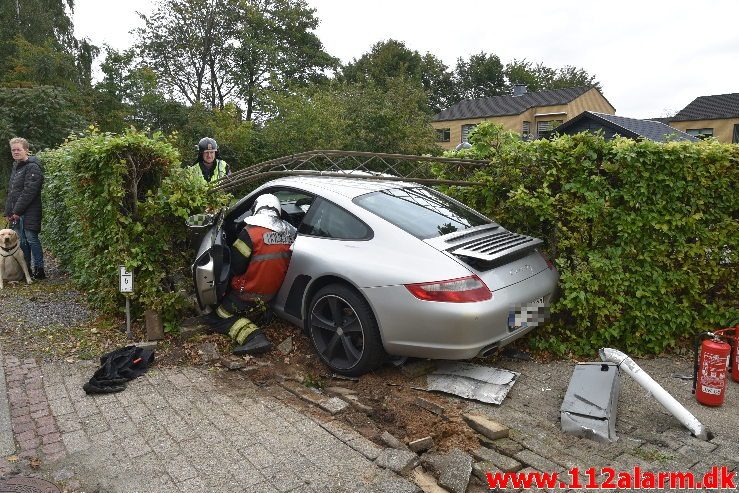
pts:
pixel 422 212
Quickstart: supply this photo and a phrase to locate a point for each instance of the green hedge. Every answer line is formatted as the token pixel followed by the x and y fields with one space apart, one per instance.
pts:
pixel 112 200
pixel 645 235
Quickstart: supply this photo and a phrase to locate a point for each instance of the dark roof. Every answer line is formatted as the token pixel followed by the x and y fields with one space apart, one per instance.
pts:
pixel 710 108
pixel 509 105
pixel 662 119
pixel 631 127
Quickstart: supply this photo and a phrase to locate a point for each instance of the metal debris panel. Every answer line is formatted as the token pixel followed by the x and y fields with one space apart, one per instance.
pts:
pixel 590 403
pixel 480 383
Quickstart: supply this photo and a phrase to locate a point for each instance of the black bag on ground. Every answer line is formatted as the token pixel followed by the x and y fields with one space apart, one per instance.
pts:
pixel 118 367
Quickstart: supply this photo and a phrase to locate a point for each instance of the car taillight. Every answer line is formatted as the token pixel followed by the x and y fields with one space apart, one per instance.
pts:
pixel 463 290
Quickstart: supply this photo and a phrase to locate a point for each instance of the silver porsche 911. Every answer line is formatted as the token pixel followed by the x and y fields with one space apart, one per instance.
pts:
pixel 390 268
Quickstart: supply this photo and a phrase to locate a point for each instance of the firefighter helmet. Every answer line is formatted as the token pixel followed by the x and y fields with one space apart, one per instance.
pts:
pixel 207 144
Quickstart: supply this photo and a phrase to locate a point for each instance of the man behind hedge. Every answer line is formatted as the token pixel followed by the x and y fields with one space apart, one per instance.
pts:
pixel 23 204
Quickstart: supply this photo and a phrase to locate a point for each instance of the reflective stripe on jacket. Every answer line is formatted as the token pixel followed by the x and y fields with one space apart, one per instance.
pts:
pixel 270 258
pixel 220 170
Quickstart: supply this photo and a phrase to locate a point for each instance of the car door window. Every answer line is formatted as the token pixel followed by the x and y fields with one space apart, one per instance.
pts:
pixel 294 204
pixel 331 221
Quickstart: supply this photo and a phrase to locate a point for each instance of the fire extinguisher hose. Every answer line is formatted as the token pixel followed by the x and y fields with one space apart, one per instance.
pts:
pixel 663 397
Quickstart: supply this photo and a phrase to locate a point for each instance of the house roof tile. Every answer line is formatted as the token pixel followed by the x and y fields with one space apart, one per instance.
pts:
pixel 509 105
pixel 710 108
pixel 633 127
pixel 653 130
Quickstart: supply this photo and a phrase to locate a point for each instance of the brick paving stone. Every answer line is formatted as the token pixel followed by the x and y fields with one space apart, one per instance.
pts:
pixel 21 411
pixel 500 461
pixel 61 406
pixel 23 427
pixel 68 423
pixel 75 441
pixel 537 461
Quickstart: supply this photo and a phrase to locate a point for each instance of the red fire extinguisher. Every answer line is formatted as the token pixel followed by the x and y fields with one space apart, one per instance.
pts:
pixel 709 373
pixel 732 335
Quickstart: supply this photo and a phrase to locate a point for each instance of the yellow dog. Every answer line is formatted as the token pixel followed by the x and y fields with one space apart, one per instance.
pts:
pixel 13 265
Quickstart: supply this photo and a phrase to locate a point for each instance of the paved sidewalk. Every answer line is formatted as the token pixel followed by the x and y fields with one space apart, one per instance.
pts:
pixel 181 430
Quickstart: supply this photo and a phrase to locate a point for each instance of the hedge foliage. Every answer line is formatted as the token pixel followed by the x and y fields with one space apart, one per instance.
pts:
pixel 645 235
pixel 112 200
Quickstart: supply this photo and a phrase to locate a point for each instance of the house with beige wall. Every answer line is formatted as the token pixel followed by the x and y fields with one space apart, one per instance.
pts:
pixel 532 114
pixel 710 116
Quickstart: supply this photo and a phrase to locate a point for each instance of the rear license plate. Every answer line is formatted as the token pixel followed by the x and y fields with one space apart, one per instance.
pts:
pixel 530 314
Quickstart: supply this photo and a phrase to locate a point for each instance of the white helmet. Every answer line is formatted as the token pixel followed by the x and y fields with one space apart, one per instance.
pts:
pixel 267 204
pixel 267 215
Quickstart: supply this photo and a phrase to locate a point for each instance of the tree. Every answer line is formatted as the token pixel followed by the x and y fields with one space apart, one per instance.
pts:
pixel 129 94
pixel 185 43
pixel 216 51
pixel 385 60
pixel 538 77
pixel 352 116
pixel 390 59
pixel 481 76
pixel 438 81
pixel 37 45
pixel 276 49
pixel 44 115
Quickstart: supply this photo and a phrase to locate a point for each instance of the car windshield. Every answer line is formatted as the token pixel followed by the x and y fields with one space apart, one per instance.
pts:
pixel 420 211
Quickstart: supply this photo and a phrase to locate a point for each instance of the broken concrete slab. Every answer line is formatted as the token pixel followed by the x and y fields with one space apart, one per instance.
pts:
pixel 486 426
pixel 421 445
pixel 339 391
pixel 286 346
pixel 393 442
pixel 453 469
pixel 399 461
pixel 429 406
pixel 357 404
pixel 505 446
pixel 366 447
pixel 302 392
pixel 333 405
pixel 480 383
pixel 232 363
pixel 209 352
pixel 191 327
pixel 481 469
pixel 426 481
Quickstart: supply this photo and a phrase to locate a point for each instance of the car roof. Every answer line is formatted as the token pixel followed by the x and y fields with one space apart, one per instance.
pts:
pixel 346 187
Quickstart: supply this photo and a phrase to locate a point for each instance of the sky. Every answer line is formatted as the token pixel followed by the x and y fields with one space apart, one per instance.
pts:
pixel 652 57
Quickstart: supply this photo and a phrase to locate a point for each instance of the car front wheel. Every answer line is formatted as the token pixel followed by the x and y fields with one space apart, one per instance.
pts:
pixel 344 331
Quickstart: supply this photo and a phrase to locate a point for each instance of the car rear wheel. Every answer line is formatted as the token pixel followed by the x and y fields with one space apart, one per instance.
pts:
pixel 344 331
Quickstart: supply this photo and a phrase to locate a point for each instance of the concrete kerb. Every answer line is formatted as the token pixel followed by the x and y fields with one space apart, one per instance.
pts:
pixel 7 443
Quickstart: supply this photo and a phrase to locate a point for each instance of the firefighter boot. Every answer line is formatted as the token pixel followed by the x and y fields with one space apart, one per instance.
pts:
pixel 256 343
pixel 249 338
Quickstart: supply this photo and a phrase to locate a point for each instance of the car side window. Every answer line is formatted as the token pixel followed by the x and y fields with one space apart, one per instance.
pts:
pixel 331 221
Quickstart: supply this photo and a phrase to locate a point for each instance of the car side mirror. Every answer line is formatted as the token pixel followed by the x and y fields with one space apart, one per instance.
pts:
pixel 199 221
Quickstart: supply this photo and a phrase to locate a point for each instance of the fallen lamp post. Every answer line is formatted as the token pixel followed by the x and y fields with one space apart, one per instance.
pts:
pixel 628 365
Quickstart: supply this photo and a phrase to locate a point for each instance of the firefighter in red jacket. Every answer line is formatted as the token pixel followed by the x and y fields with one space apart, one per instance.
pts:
pixel 259 260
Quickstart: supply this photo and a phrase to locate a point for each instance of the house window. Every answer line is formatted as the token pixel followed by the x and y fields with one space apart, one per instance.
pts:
pixel 443 135
pixel 701 133
pixel 735 138
pixel 526 129
pixel 544 128
pixel 466 129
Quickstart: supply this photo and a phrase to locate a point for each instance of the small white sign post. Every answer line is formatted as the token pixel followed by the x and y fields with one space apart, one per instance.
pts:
pixel 126 287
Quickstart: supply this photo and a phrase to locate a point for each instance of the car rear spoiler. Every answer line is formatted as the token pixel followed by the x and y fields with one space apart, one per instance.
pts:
pixel 491 244
pixel 359 165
